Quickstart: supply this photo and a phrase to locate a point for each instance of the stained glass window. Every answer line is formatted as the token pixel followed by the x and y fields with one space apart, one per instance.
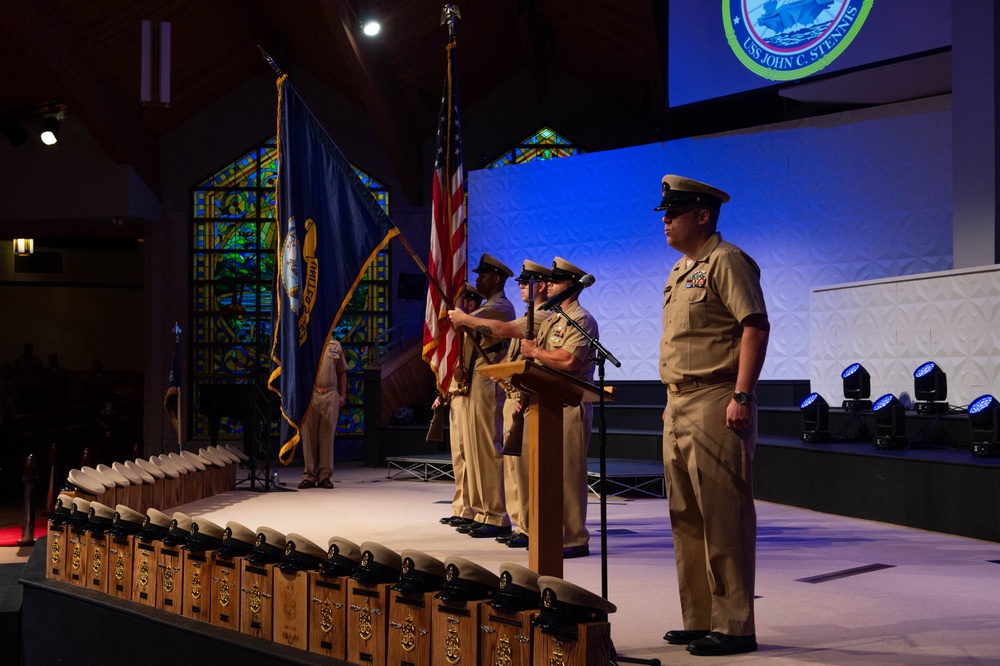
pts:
pixel 545 144
pixel 234 234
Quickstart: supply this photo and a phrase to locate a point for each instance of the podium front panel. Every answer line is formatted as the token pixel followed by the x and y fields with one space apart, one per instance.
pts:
pixel 367 621
pixel 76 569
pixel 196 571
pixel 455 633
pixel 120 554
pixel 506 637
pixel 328 615
pixel 291 608
pixel 58 540
pixel 256 600
pixel 96 563
pixel 170 567
pixel 409 634
pixel 581 645
pixel 225 590
pixel 145 589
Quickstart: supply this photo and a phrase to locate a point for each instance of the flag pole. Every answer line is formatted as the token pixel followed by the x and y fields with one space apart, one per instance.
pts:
pixel 180 419
pixel 270 61
pixel 437 287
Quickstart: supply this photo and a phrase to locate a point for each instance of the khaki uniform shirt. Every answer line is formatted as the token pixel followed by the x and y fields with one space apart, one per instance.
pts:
pixel 556 333
pixel 703 306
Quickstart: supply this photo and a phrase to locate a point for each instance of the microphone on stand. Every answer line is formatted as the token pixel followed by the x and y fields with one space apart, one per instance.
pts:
pixel 574 288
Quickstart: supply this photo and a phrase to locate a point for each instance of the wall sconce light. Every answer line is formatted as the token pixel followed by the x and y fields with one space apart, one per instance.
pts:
pixel 49 130
pixel 930 388
pixel 890 423
pixel 857 388
pixel 983 413
pixel 24 247
pixel 815 419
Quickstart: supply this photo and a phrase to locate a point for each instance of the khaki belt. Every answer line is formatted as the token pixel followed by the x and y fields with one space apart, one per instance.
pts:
pixel 698 383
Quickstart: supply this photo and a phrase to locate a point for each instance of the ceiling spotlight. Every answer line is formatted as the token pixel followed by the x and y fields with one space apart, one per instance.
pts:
pixel 930 387
pixel 890 423
pixel 370 26
pixel 815 419
pixel 857 388
pixel 49 130
pixel 983 414
pixel 11 128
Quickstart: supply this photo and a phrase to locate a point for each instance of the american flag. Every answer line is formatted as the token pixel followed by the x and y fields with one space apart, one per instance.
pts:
pixel 448 259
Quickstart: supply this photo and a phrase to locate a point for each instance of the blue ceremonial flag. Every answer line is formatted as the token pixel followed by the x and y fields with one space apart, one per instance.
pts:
pixel 330 228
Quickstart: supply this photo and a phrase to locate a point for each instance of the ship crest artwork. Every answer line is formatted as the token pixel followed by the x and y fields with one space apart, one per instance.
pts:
pixel 784 40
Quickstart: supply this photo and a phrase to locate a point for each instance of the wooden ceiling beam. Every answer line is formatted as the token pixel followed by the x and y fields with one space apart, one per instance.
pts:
pixel 532 33
pixel 382 96
pixel 91 94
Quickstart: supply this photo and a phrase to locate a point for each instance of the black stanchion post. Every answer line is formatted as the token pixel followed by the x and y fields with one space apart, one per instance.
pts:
pixel 28 528
pixel 50 499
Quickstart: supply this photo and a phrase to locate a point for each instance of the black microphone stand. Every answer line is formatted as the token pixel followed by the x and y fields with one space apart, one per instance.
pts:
pixel 603 355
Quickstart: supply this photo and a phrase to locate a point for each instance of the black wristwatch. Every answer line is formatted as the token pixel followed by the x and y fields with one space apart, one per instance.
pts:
pixel 743 398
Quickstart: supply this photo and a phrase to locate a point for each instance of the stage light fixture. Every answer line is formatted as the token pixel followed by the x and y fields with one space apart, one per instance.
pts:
pixel 983 416
pixel 930 388
pixel 815 419
pixel 370 26
pixel 24 247
pixel 857 388
pixel 890 423
pixel 49 130
pixel 12 128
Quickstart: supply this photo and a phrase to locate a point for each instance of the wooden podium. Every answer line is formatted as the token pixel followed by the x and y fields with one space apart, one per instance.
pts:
pixel 549 390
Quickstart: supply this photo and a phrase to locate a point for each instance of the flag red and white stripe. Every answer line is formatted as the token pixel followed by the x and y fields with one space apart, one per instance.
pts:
pixel 448 262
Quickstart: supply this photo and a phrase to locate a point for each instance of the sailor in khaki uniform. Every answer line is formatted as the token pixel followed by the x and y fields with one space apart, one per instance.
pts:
pixel 482 434
pixel 561 346
pixel 715 332
pixel 515 467
pixel 462 511
pixel 320 425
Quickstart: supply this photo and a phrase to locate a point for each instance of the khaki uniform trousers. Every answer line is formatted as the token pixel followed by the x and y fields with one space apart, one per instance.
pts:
pixel 515 470
pixel 577 423
pixel 317 432
pixel 458 413
pixel 712 515
pixel 482 435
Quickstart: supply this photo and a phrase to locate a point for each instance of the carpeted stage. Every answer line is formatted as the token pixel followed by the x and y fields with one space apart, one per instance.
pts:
pixel 831 589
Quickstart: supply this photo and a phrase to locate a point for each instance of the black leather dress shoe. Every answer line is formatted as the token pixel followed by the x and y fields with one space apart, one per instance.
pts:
pixel 716 644
pixel 519 540
pixel 489 531
pixel 464 528
pixel 576 551
pixel 504 538
pixel 684 636
pixel 325 483
pixel 306 483
pixel 455 521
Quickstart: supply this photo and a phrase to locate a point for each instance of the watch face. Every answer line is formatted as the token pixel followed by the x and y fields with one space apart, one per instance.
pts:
pixel 742 398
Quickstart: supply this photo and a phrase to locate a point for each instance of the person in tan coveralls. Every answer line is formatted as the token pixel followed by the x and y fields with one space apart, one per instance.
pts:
pixel 715 333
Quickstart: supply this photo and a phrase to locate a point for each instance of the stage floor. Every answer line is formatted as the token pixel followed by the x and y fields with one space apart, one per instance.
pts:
pixel 821 597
